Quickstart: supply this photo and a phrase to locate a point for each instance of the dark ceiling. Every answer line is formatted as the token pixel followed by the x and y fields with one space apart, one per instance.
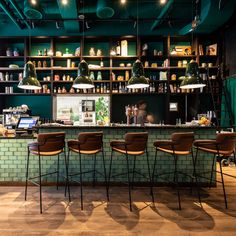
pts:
pixel 106 17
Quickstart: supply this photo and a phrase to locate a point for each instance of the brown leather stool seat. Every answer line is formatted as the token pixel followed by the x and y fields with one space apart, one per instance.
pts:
pixel 134 144
pixel 180 144
pixel 223 145
pixel 47 144
pixel 88 143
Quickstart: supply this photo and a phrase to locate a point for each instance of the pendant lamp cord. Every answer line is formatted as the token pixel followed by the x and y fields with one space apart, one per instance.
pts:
pixel 137 29
pixel 83 31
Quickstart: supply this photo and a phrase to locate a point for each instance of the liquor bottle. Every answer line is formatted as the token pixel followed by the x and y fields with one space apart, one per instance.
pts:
pixel 102 88
pixel 98 89
pixel 99 75
pixel 101 63
pixel 108 88
pixel 7 77
pixel 118 49
pixel 105 88
pixel 119 88
pixel 91 76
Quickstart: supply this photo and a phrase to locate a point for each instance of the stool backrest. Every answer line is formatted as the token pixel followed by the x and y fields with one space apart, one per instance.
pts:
pixel 136 141
pixel 50 142
pixel 90 140
pixel 182 141
pixel 226 141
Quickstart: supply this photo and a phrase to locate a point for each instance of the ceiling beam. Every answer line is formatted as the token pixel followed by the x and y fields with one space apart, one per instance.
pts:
pixel 162 14
pixel 69 11
pixel 11 15
pixel 19 11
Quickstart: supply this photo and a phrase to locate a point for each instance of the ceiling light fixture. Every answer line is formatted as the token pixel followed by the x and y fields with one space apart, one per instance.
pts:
pixel 162 2
pixel 123 2
pixel 138 80
pixel 64 2
pixel 34 2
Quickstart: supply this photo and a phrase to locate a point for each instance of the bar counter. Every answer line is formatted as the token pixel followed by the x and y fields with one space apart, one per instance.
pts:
pixel 13 152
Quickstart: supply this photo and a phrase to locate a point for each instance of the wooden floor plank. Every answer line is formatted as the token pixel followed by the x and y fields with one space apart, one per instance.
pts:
pixel 19 217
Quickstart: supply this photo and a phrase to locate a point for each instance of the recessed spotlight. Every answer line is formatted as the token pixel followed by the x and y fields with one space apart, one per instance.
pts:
pixel 64 2
pixel 122 1
pixel 34 2
pixel 162 2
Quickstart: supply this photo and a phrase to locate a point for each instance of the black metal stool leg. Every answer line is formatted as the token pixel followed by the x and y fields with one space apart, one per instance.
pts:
pixel 81 182
pixel 223 185
pixel 150 177
pixel 177 180
pixel 109 174
pixel 94 170
pixel 133 174
pixel 40 185
pixel 105 174
pixel 58 167
pixel 212 170
pixel 195 174
pixel 67 175
pixel 27 175
pixel 153 175
pixel 128 175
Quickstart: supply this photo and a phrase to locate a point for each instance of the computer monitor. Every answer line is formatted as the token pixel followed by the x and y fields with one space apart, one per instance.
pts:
pixel 26 123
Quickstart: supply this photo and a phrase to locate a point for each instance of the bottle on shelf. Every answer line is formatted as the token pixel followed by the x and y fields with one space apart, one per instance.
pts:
pixel 7 76
pixel 99 75
pixel 101 63
pixel 118 48
pixel 91 76
pixel 102 88
pixel 119 88
pixel 105 88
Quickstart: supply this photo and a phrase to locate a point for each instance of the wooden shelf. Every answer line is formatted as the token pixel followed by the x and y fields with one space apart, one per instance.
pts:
pixel 11 69
pixel 12 57
pixel 25 94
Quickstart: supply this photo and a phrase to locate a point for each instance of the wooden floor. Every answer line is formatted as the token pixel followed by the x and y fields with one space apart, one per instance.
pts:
pixel 100 218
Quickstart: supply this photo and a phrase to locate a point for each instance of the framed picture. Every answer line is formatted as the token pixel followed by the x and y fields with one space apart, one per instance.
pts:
pixel 173 106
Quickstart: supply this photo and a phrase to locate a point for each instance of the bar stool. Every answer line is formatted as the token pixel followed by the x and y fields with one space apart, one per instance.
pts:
pixel 133 144
pixel 47 144
pixel 179 145
pixel 223 145
pixel 88 143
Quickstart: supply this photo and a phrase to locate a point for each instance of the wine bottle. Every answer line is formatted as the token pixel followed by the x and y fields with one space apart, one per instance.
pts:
pixel 118 49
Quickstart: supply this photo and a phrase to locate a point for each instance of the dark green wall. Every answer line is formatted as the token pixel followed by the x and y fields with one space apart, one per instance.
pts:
pixel 39 105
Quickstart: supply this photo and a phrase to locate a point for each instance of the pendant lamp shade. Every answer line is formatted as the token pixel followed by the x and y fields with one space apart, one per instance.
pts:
pixel 138 80
pixel 83 81
pixel 29 80
pixel 192 79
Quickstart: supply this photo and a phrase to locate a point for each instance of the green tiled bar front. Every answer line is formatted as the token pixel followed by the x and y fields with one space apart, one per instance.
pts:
pixel 13 154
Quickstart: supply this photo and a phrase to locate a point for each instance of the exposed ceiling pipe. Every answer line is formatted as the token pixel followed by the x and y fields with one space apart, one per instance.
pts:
pixel 104 9
pixel 164 11
pixel 19 11
pixel 7 10
pixel 69 10
pixel 211 16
